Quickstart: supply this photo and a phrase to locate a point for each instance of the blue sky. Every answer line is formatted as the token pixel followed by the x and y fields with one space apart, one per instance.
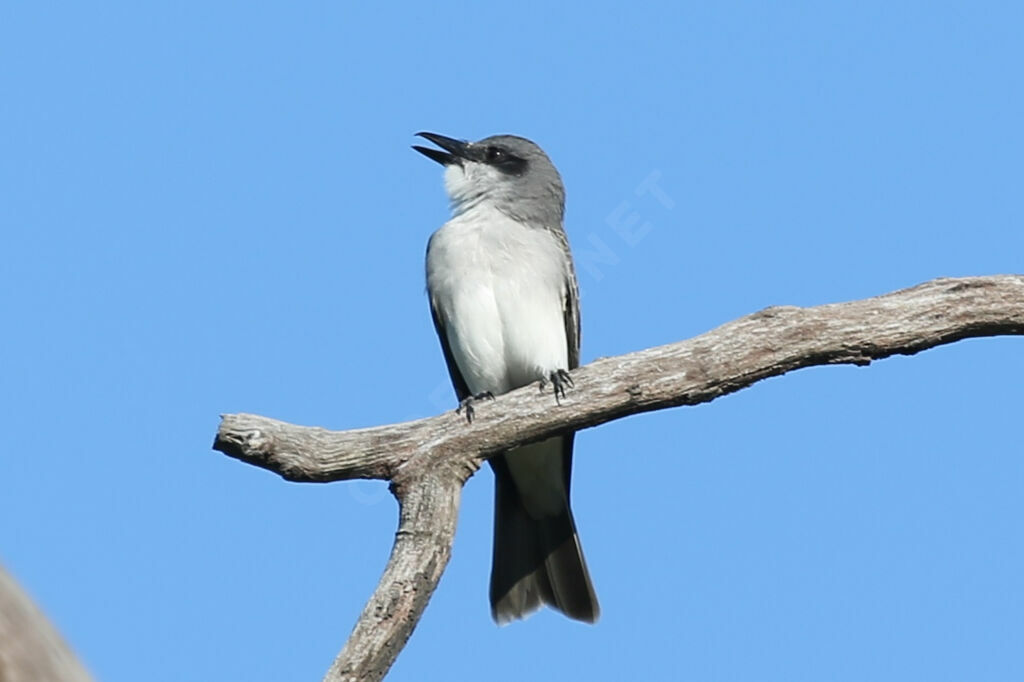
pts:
pixel 213 207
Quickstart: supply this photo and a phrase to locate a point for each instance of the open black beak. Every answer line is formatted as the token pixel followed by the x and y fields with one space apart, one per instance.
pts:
pixel 454 150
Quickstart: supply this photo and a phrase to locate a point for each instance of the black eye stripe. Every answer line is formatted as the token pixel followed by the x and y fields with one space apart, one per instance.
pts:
pixel 503 160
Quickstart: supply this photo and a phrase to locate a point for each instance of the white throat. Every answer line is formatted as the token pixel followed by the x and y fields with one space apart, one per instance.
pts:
pixel 470 185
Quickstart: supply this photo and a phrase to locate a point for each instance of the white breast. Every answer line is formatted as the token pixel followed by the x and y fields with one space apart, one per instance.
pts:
pixel 500 290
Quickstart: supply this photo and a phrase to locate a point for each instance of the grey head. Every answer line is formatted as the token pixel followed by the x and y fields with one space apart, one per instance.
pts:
pixel 505 172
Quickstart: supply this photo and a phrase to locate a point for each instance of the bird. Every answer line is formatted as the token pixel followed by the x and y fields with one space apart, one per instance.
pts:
pixel 505 305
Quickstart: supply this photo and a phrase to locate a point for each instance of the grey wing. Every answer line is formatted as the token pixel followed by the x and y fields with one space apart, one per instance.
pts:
pixel 461 389
pixel 571 313
pixel 571 304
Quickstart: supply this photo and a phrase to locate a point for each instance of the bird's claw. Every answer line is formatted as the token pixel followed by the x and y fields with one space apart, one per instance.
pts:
pixel 560 380
pixel 467 404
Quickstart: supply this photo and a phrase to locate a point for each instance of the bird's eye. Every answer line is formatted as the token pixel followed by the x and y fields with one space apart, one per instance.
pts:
pixel 495 154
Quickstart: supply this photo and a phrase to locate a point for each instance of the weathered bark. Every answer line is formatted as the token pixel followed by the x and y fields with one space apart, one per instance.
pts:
pixel 30 648
pixel 427 461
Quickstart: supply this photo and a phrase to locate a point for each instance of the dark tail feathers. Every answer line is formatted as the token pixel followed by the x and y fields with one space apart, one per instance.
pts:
pixel 536 561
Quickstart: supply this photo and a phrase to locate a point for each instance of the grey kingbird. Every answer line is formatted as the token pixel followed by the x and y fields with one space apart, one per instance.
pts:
pixel 505 304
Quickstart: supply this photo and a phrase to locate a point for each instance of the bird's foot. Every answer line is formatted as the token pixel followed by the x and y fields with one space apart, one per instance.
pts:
pixel 560 380
pixel 467 404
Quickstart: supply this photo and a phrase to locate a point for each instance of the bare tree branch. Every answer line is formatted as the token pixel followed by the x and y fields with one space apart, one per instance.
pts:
pixel 427 461
pixel 30 648
pixel 428 510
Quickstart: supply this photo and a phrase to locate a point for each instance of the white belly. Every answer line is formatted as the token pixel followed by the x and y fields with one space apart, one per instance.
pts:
pixel 500 290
